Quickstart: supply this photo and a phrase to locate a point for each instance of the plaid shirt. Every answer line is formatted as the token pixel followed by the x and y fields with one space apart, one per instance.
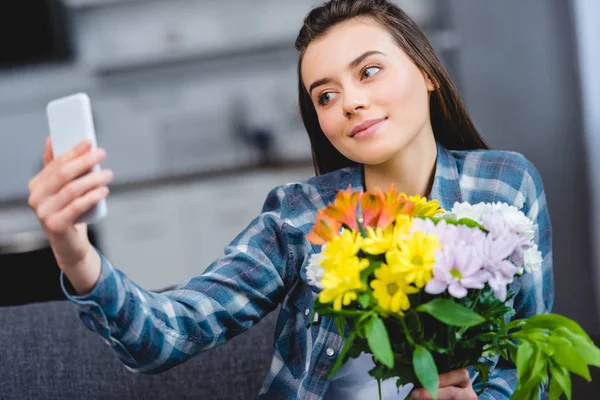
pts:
pixel 265 266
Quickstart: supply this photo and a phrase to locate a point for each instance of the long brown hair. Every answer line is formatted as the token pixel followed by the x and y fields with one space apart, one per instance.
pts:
pixel 451 123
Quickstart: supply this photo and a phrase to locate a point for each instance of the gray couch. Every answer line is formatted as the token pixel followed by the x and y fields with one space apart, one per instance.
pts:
pixel 47 353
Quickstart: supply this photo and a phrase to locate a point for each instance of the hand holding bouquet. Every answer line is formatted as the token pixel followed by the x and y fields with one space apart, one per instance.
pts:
pixel 427 291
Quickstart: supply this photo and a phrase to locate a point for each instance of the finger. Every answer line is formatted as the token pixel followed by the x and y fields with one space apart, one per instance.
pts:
pixel 80 148
pixel 73 190
pixel 61 221
pixel 446 393
pixel 48 156
pixel 456 393
pixel 54 163
pixel 71 170
pixel 420 394
pixel 458 377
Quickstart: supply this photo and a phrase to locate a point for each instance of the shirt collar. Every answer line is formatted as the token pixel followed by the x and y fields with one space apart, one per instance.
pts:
pixel 446 182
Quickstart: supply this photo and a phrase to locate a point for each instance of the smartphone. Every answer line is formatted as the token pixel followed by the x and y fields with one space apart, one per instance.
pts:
pixel 70 121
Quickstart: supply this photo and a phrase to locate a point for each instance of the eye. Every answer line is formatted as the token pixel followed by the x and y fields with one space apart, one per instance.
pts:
pixel 369 72
pixel 325 98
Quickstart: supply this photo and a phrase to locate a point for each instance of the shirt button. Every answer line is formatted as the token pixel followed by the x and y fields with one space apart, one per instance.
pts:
pixel 307 311
pixel 329 351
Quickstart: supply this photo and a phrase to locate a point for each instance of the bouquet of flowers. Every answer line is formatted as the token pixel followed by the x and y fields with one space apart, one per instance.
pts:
pixel 427 291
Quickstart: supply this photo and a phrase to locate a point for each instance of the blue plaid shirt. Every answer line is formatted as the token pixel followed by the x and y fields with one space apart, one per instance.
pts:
pixel 265 266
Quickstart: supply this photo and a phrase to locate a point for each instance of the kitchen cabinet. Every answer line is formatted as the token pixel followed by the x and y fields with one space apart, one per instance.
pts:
pixel 163 235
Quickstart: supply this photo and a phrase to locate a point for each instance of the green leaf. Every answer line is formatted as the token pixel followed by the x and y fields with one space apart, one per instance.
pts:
pixel 365 273
pixel 426 370
pixel 512 351
pixel 524 353
pixel 516 323
pixel 565 356
pixel 379 341
pixel 526 390
pixel 560 382
pixel 540 366
pixel 339 321
pixel 364 299
pixel 463 221
pixel 450 313
pixel 484 373
pixel 554 321
pixel 586 349
pixel 470 223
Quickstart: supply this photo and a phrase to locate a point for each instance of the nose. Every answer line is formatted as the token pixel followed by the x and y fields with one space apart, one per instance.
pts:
pixel 354 101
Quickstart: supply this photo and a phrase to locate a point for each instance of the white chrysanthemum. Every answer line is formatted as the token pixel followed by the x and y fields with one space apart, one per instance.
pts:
pixel 471 211
pixel 516 220
pixel 314 270
pixel 532 259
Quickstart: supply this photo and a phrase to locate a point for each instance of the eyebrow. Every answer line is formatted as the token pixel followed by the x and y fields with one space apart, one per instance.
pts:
pixel 353 64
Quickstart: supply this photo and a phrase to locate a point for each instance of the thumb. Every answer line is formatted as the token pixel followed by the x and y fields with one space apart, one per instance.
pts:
pixel 48 155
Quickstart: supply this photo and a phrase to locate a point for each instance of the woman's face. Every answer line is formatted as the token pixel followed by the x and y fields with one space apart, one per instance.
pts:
pixel 358 77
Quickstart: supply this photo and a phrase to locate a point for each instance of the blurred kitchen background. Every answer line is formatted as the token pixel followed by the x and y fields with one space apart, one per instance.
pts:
pixel 195 102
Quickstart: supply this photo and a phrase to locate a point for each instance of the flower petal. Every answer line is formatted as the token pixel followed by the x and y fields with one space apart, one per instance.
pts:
pixel 435 286
pixel 371 205
pixel 344 208
pixel 457 290
pixel 324 230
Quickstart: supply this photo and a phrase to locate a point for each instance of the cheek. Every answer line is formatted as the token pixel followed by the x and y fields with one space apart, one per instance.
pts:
pixel 331 125
pixel 405 93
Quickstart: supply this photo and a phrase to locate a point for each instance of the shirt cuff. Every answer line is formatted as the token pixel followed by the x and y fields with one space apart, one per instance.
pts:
pixel 106 297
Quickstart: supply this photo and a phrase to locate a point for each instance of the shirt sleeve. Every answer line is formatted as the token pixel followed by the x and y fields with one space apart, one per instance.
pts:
pixel 151 332
pixel 501 384
pixel 536 288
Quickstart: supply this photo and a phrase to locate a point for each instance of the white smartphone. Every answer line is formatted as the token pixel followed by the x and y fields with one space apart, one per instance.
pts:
pixel 70 121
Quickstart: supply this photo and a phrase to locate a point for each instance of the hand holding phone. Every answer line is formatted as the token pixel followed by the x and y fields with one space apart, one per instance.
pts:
pixel 71 188
pixel 70 121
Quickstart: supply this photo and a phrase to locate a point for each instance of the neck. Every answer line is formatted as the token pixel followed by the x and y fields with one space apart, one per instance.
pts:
pixel 411 171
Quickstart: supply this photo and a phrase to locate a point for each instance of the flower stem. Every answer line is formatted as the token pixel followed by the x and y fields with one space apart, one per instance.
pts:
pixel 476 300
pixel 462 330
pixel 406 332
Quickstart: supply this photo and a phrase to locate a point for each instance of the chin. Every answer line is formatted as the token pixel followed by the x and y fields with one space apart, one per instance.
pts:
pixel 375 153
pixel 375 158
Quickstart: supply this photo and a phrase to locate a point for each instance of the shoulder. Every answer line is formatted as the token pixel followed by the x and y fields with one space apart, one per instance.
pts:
pixel 507 175
pixel 494 164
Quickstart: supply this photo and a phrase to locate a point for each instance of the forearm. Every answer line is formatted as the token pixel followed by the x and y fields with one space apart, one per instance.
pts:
pixel 84 276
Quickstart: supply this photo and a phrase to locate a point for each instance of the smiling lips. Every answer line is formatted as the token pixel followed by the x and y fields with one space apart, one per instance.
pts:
pixel 366 128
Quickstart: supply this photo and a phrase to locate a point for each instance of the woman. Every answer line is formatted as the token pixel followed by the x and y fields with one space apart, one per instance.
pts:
pixel 379 108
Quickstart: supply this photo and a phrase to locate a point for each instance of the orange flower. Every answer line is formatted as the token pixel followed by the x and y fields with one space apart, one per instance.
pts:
pixel 344 208
pixel 371 206
pixel 393 204
pixel 325 228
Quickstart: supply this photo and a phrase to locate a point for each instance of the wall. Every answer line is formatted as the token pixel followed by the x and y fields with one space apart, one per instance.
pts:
pixel 519 78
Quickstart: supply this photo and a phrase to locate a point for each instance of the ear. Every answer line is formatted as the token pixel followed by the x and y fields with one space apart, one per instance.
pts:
pixel 431 86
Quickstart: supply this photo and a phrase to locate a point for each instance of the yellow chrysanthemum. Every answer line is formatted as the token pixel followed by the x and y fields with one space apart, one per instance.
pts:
pixel 424 208
pixel 402 227
pixel 378 240
pixel 415 257
pixel 391 290
pixel 341 248
pixel 341 282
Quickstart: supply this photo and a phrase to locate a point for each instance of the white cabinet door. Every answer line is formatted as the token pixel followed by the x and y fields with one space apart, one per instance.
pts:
pixel 140 236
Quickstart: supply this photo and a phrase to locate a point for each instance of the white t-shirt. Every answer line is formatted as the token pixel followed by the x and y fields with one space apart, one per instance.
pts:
pixel 353 382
